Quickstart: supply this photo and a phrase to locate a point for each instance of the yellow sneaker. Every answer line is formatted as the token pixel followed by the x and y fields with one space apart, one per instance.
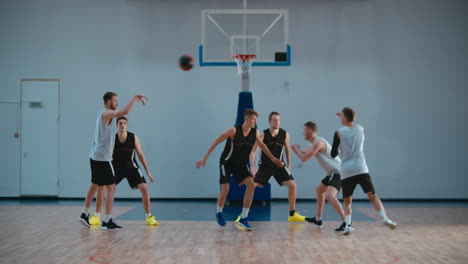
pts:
pixel 150 220
pixel 94 220
pixel 237 219
pixel 296 218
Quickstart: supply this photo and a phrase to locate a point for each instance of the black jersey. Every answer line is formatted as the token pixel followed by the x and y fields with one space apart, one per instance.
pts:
pixel 124 153
pixel 238 150
pixel 275 145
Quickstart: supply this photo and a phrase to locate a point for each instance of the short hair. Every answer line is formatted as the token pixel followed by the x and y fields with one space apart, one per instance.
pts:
pixel 250 112
pixel 272 114
pixel 349 113
pixel 311 125
pixel 121 118
pixel 107 96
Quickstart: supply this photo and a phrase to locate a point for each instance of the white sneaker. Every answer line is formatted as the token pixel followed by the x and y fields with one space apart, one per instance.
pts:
pixel 389 223
pixel 348 229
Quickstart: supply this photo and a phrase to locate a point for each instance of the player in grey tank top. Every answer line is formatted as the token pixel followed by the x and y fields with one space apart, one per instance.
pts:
pixel 331 184
pixel 349 141
pixel 102 174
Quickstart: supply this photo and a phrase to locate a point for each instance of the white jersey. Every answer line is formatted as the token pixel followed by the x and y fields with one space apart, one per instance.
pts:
pixel 104 139
pixel 353 161
pixel 325 160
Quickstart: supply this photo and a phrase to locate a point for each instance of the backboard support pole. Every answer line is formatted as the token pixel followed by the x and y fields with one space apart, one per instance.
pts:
pixel 245 83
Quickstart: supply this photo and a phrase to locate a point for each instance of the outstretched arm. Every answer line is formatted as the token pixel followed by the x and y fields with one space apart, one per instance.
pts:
pixel 142 158
pixel 310 152
pixel 336 144
pixel 267 152
pixel 230 133
pixel 109 114
pixel 253 154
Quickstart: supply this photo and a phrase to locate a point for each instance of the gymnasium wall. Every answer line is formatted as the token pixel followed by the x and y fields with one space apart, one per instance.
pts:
pixel 401 64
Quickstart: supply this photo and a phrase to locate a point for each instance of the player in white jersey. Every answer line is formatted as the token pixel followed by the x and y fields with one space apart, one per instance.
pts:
pixel 331 184
pixel 102 172
pixel 349 141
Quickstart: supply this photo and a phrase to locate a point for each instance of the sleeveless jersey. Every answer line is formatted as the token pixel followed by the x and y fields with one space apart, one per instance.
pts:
pixel 124 153
pixel 238 150
pixel 325 160
pixel 353 161
pixel 275 145
pixel 104 137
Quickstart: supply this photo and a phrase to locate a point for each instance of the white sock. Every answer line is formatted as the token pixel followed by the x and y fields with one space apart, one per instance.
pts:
pixel 245 212
pixel 383 214
pixel 107 218
pixel 219 209
pixel 148 215
pixel 318 218
pixel 86 210
pixel 348 219
pixel 97 214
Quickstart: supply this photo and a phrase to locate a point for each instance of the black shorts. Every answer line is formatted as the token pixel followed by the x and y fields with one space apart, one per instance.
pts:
pixel 133 176
pixel 333 180
pixel 264 174
pixel 239 172
pixel 102 172
pixel 349 184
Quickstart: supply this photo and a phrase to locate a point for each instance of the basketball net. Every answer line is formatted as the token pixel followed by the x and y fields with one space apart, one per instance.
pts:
pixel 244 62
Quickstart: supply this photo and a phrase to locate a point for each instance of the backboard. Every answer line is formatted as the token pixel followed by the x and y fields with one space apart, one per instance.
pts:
pixel 262 32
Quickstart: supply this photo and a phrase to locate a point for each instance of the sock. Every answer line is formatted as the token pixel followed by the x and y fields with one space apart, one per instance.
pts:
pixel 107 218
pixel 291 212
pixel 383 214
pixel 318 218
pixel 86 210
pixel 348 219
pixel 219 209
pixel 148 215
pixel 97 214
pixel 245 212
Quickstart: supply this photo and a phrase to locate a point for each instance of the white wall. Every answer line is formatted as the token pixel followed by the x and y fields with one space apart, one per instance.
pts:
pixel 401 64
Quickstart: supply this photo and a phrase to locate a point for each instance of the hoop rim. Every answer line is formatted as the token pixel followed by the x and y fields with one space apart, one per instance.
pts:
pixel 244 57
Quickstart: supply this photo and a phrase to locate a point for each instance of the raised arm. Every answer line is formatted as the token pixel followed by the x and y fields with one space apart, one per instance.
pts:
pixel 288 151
pixel 109 114
pixel 142 158
pixel 336 144
pixel 310 152
pixel 267 152
pixel 230 133
pixel 253 154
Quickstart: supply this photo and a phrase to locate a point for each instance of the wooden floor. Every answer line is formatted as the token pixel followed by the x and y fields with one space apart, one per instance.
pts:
pixel 52 234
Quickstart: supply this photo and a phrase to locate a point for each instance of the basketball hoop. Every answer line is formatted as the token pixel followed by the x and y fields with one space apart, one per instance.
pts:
pixel 244 62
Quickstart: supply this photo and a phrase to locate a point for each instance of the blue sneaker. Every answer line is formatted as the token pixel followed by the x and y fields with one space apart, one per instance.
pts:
pixel 220 219
pixel 244 224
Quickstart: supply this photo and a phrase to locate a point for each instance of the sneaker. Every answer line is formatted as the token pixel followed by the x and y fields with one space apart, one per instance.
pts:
pixel 150 220
pixel 95 220
pixel 220 219
pixel 84 219
pixel 296 218
pixel 244 224
pixel 348 229
pixel 109 225
pixel 341 228
pixel 237 219
pixel 392 225
pixel 314 220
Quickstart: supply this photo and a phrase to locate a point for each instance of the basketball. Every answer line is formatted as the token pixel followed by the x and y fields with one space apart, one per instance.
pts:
pixel 186 62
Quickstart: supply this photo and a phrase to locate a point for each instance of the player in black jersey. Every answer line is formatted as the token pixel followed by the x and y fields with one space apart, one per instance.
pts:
pixel 277 141
pixel 126 165
pixel 235 161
